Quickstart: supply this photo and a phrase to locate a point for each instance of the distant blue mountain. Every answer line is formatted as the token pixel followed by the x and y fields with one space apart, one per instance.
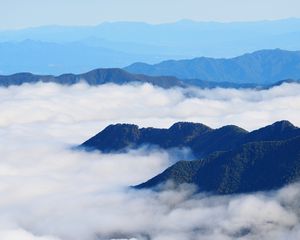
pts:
pixel 119 76
pixel 261 67
pixel 184 38
pixel 57 58
pixel 122 43
pixel 92 78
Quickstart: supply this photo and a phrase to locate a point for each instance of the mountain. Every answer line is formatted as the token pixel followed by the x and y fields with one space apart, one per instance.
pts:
pixel 232 160
pixel 261 67
pixel 95 77
pixel 278 131
pixel 201 139
pixel 57 58
pixel 119 76
pixel 59 49
pixel 123 136
pixel 185 38
pixel 251 167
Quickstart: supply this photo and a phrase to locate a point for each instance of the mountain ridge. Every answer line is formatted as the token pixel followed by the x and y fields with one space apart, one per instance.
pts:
pixel 78 49
pixel 119 76
pixel 230 160
pixel 256 166
pixel 93 78
pixel 262 67
pixel 201 139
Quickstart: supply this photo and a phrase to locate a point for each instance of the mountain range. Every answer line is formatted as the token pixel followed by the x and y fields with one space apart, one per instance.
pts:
pixel 231 159
pixel 93 78
pixel 261 67
pixel 59 49
pixel 120 76
pixel 57 58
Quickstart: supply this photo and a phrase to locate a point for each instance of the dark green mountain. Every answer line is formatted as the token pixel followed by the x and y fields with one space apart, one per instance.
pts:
pixel 232 160
pixel 95 77
pixel 120 137
pixel 261 67
pixel 251 167
pixel 201 139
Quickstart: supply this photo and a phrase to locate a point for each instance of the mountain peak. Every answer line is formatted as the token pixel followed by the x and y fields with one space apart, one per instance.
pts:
pixel 277 131
pixel 284 124
pixel 121 126
pixel 232 128
pixel 114 138
pixel 189 125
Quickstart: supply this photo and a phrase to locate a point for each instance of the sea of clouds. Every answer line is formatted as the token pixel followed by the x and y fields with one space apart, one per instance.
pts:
pixel 50 192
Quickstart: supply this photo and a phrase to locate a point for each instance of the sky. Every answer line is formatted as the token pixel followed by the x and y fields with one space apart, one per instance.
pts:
pixel 16 14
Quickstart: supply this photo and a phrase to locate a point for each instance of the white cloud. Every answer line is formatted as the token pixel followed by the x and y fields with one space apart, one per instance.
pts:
pixel 20 234
pixel 84 110
pixel 49 192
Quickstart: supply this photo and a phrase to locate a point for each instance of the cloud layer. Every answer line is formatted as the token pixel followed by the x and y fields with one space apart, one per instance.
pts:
pixel 50 192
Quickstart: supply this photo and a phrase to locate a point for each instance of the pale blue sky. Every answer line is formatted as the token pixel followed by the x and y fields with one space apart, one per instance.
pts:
pixel 28 13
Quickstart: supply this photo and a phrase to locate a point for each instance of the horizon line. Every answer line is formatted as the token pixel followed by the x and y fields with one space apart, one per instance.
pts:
pixel 150 23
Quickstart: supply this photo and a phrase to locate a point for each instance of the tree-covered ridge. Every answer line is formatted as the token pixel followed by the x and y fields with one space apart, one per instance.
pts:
pixel 231 160
pixel 201 139
pixel 255 166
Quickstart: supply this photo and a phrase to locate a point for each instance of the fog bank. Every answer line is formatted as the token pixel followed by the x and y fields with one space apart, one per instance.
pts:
pixel 50 192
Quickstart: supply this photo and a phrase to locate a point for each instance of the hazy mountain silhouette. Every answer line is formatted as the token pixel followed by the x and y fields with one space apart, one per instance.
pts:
pixel 119 76
pixel 94 77
pixel 59 49
pixel 184 38
pixel 262 67
pixel 58 58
